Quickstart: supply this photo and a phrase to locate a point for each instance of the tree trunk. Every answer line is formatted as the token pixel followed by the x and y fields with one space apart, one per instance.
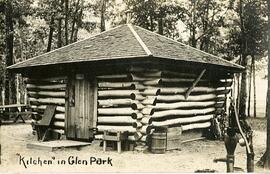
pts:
pixel 1 96
pixel 243 88
pixel 75 34
pixel 193 38
pixel 243 91
pixel 160 22
pixel 206 38
pixel 160 26
pixel 75 38
pixel 10 88
pixel 249 88
pixel 102 16
pixel 49 46
pixel 238 91
pixel 151 22
pixel 78 24
pixel 18 94
pixel 207 41
pixel 193 28
pixel 59 34
pixel 202 43
pixel 66 21
pixel 74 21
pixel 254 85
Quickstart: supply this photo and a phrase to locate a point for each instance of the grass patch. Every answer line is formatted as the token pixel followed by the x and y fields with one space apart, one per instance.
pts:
pixel 258 124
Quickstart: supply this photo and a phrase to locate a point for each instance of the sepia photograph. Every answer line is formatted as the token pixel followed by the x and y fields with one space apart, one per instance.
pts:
pixel 134 86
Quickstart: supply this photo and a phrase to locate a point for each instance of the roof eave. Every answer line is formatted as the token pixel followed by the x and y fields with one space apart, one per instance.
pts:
pixel 235 69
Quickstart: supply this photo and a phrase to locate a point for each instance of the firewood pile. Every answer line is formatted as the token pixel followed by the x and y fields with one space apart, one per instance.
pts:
pixel 48 91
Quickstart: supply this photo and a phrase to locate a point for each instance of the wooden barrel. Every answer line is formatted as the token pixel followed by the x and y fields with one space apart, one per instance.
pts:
pixel 159 139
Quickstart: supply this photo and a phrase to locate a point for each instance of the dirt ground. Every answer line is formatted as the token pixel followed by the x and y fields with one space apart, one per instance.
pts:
pixel 193 156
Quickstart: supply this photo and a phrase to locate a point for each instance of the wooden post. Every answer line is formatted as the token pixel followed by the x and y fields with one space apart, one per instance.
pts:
pixel 104 141
pixel 119 142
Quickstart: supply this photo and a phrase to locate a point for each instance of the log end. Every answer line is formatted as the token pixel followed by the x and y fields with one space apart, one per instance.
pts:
pixel 133 96
pixel 134 115
pixel 134 106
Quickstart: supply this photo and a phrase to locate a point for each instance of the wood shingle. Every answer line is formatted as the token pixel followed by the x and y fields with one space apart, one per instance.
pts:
pixel 124 42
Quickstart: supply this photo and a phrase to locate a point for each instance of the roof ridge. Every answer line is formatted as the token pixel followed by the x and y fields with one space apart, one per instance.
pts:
pixel 138 38
pixel 192 47
pixel 64 46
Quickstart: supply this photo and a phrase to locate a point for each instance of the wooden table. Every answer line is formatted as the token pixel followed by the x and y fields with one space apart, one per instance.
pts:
pixel 116 136
pixel 13 110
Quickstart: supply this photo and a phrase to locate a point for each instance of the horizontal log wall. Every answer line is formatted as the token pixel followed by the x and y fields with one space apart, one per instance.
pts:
pixel 142 98
pixel 115 104
pixel 48 91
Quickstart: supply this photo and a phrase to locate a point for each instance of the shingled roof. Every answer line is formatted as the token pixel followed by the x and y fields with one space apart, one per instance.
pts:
pixel 124 42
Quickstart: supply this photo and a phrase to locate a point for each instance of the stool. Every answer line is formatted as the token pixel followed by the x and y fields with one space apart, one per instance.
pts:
pixel 117 136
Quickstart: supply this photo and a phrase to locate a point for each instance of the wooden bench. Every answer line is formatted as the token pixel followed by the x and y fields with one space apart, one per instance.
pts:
pixel 115 136
pixel 15 111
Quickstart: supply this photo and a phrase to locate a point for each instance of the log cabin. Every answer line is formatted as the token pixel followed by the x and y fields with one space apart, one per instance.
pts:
pixel 127 79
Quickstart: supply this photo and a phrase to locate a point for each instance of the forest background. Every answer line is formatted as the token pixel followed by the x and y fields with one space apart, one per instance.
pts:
pixel 235 30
